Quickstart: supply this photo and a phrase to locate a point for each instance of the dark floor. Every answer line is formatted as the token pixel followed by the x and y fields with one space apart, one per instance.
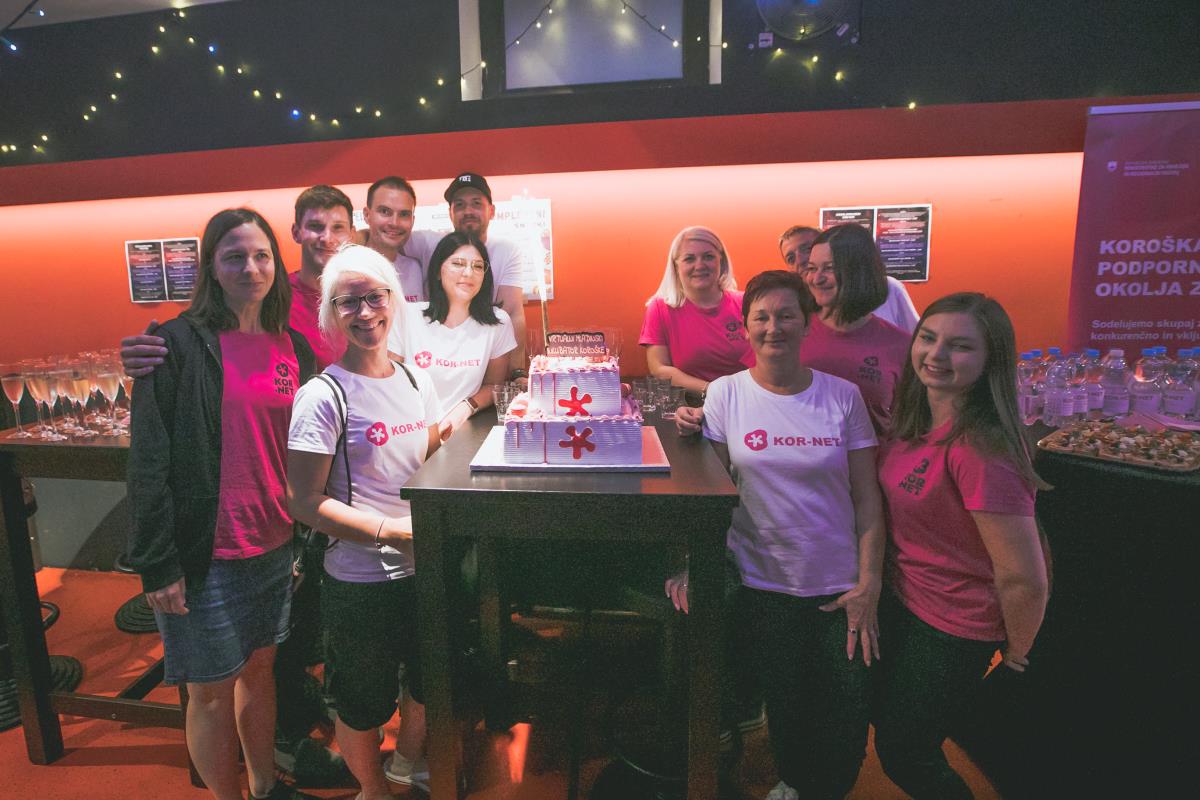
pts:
pixel 113 761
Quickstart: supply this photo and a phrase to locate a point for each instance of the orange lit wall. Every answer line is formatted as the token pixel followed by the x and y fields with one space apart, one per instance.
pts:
pixel 1003 181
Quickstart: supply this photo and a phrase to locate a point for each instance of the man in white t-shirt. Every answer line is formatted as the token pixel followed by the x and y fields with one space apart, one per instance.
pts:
pixel 795 244
pixel 389 217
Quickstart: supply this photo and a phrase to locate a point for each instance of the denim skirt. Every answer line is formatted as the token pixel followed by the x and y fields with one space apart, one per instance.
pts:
pixel 242 605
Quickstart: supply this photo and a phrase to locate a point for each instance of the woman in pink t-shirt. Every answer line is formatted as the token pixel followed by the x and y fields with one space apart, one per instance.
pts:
pixel 211 532
pixel 846 277
pixel 966 570
pixel 693 331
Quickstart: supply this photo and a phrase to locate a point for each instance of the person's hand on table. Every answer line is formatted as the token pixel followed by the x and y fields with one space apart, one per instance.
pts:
pixel 169 599
pixel 862 625
pixel 396 530
pixel 676 588
pixel 142 353
pixel 688 419
pixel 455 418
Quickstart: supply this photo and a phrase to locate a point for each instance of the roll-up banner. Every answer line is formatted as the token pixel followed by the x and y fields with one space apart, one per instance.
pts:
pixel 1135 281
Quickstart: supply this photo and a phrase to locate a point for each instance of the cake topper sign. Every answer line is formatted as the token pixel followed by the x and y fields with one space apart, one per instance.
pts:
pixel 575 343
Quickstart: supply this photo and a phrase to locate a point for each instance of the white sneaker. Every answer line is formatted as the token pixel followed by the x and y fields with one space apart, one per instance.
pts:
pixel 398 769
pixel 782 792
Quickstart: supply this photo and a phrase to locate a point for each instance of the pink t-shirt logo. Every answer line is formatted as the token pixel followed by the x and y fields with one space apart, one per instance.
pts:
pixel 756 440
pixel 423 359
pixel 377 434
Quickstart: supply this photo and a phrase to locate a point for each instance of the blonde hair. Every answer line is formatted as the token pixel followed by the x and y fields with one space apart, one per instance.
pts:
pixel 355 259
pixel 670 289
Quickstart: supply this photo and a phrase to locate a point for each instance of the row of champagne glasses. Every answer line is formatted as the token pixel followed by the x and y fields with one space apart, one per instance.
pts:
pixel 69 382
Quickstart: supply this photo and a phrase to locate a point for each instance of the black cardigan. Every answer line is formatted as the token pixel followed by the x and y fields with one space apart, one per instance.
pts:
pixel 174 475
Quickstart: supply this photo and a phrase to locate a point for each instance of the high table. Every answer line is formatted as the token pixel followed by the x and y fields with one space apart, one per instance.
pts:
pixel 1109 704
pixel 101 459
pixel 692 505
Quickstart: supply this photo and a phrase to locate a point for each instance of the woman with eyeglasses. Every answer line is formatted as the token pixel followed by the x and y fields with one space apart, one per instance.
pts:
pixel 693 331
pixel 459 337
pixel 846 277
pixel 211 532
pixel 359 430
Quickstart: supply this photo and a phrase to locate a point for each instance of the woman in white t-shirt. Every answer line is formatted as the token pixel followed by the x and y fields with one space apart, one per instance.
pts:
pixel 807 538
pixel 459 337
pixel 358 431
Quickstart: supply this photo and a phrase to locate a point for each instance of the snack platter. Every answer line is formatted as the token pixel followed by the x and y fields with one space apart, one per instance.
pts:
pixel 1138 445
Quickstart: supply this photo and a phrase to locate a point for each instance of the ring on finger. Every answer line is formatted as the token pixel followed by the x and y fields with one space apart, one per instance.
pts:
pixel 853 630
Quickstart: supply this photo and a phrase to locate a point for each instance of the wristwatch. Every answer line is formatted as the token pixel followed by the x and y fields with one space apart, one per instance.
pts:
pixel 517 373
pixel 471 402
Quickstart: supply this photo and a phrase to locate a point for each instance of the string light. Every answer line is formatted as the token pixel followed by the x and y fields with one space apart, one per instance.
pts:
pixel 421 100
pixel 118 75
pixel 257 93
pixel 912 104
pixel 154 49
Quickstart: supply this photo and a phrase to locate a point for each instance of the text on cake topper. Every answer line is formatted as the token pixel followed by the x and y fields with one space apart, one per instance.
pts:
pixel 576 343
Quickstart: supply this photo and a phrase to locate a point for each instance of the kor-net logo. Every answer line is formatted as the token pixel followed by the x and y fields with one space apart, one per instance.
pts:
pixel 377 434
pixel 756 440
pixel 423 359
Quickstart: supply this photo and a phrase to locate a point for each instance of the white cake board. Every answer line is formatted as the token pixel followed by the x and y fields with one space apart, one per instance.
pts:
pixel 490 457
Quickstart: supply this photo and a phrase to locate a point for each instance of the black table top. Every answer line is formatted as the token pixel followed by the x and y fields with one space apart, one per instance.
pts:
pixel 696 474
pixel 101 458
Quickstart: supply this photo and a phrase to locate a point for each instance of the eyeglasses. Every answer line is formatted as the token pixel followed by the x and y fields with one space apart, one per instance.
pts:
pixel 463 265
pixel 350 304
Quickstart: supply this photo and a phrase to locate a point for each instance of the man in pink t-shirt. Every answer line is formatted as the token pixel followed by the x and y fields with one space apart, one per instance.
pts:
pixel 323 224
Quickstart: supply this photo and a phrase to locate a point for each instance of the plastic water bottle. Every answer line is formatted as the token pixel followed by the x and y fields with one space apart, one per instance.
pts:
pixel 1145 389
pixel 1058 408
pixel 1078 381
pixel 1027 389
pixel 1179 386
pixel 1093 369
pixel 1037 360
pixel 1116 391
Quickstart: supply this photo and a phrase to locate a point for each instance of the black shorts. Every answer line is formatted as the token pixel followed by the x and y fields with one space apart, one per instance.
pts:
pixel 372 630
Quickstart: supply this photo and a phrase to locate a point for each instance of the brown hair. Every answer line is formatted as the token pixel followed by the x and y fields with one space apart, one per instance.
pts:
pixel 208 306
pixel 323 196
pixel 861 279
pixel 987 411
pixel 774 279
pixel 391 182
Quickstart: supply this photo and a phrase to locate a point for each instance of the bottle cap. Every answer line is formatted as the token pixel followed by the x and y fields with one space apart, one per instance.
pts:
pixel 1149 351
pixel 1054 351
pixel 1091 353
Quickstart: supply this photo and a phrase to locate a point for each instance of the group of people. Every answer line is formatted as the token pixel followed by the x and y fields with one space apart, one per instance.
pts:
pixel 312 397
pixel 884 549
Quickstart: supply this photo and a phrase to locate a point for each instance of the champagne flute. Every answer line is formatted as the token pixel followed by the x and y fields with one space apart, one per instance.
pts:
pixel 42 384
pixel 108 379
pixel 79 387
pixel 13 379
pixel 66 390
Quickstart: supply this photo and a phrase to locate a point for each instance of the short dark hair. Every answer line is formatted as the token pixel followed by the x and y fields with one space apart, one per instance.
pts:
pixel 391 182
pixel 796 230
pixel 208 306
pixel 861 278
pixel 481 308
pixel 323 196
pixel 774 279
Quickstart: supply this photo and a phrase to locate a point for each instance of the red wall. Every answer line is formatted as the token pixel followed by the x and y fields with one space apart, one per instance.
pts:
pixel 1003 180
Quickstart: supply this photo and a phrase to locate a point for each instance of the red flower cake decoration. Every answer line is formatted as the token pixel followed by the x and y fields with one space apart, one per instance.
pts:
pixel 574 405
pixel 578 442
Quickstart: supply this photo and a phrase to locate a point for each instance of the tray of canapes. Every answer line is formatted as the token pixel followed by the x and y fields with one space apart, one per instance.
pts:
pixel 1136 440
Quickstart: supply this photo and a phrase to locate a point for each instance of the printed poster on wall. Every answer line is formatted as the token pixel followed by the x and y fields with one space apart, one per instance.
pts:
pixel 901 231
pixel 147 281
pixel 181 263
pixel 523 220
pixel 1135 280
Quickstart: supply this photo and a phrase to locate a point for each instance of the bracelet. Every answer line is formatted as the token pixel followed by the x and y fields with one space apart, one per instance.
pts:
pixel 379 544
pixel 470 401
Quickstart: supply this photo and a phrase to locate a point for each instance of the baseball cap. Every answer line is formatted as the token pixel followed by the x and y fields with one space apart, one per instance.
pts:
pixel 468 180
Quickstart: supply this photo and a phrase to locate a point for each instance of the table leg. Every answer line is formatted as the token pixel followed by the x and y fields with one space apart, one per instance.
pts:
pixel 707 552
pixel 433 574
pixel 494 619
pixel 23 619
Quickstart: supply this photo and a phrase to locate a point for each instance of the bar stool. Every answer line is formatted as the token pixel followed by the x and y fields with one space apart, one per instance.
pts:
pixel 134 615
pixel 65 672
